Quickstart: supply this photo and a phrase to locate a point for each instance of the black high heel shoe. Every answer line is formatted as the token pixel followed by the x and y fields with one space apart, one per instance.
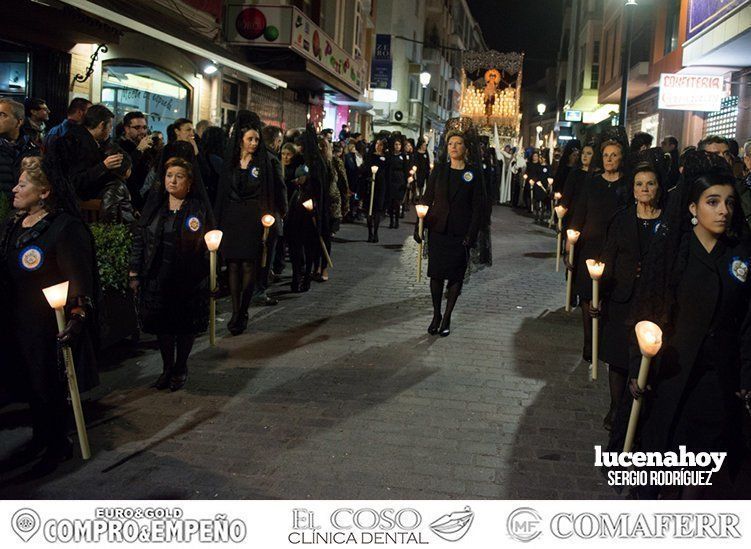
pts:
pixel 445 328
pixel 433 328
pixel 162 382
pixel 177 381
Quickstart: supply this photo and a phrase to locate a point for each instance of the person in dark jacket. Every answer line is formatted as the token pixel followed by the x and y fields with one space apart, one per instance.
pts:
pixel 37 116
pixel 421 159
pixel 626 245
pixel 456 198
pixel 81 153
pixel 376 158
pixel 696 287
pixel 537 179
pixel 76 111
pixel 44 244
pixel 396 170
pixel 14 147
pixel 117 206
pixel 249 188
pixel 169 268
pixel 213 145
pixel 603 195
pixel 135 141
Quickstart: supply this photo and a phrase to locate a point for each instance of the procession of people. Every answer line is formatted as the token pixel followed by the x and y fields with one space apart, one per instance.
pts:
pixel 671 239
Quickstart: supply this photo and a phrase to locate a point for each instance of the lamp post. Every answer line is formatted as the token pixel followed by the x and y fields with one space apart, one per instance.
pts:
pixel 213 239
pixel 57 297
pixel 267 221
pixel 572 236
pixel 424 82
pixel 628 9
pixel 308 205
pixel 649 336
pixel 595 269
pixel 422 211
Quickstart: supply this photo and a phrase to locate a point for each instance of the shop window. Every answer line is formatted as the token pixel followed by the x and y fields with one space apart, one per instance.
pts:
pixel 13 74
pixel 671 26
pixel 725 121
pixel 159 96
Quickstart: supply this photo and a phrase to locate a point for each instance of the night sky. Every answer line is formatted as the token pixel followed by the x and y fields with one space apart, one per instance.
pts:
pixel 531 26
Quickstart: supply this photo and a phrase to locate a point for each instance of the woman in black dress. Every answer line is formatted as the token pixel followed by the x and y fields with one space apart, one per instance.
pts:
pixel 397 179
pixel 377 157
pixel 169 268
pixel 43 244
pixel 421 159
pixel 626 245
pixel 696 287
pixel 456 198
pixel 537 181
pixel 298 225
pixel 249 188
pixel 596 204
pixel 575 181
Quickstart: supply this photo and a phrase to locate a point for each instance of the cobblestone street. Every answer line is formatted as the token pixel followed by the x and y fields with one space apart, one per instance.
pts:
pixel 341 393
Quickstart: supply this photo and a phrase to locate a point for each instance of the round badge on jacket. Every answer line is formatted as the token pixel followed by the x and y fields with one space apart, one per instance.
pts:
pixel 254 172
pixel 31 258
pixel 468 177
pixel 383 158
pixel 193 224
pixel 739 269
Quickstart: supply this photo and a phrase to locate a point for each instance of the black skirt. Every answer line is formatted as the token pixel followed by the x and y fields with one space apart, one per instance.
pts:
pixel 447 256
pixel 242 230
pixel 168 308
pixel 617 335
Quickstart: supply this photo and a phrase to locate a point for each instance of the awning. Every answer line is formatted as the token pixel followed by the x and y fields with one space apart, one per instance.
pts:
pixel 194 43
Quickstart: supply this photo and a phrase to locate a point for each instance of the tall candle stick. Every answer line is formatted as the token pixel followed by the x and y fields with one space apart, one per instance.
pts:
pixel 213 239
pixel 57 297
pixel 373 170
pixel 267 221
pixel 649 336
pixel 308 205
pixel 560 212
pixel 595 269
pixel 422 211
pixel 573 236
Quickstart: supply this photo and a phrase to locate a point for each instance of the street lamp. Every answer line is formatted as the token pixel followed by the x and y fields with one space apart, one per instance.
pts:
pixel 626 60
pixel 541 108
pixel 424 82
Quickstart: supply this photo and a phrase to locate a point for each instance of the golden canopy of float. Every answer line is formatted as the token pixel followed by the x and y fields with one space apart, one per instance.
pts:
pixel 491 92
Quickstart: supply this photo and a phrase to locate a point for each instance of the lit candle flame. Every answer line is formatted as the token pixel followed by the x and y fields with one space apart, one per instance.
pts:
pixel 213 239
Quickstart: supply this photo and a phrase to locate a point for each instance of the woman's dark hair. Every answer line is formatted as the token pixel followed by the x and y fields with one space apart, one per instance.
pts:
pixel 213 141
pixel 237 149
pixel 420 142
pixel 396 138
pixel 707 180
pixel 648 167
pixel 176 125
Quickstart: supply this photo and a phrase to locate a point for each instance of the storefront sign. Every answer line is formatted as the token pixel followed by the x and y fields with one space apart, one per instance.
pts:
pixel 685 92
pixel 286 26
pixel 703 14
pixel 381 66
pixel 572 116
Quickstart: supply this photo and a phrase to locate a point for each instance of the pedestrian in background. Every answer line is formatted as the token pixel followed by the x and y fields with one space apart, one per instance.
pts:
pixel 76 111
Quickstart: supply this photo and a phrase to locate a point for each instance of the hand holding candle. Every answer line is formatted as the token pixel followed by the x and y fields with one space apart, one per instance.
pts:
pixel 422 211
pixel 308 205
pixel 267 221
pixel 649 336
pixel 212 239
pixel 560 212
pixel 572 236
pixel 57 297
pixel 373 170
pixel 595 269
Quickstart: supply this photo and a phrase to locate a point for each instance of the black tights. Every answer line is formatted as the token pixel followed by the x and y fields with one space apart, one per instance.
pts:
pixel 617 379
pixel 240 285
pixel 587 327
pixel 168 344
pixel 453 290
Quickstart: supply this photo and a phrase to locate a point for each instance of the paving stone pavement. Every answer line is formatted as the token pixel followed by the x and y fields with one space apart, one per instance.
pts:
pixel 341 393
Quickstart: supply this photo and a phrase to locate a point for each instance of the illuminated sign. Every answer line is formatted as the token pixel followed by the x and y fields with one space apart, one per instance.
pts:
pixel 572 116
pixel 686 92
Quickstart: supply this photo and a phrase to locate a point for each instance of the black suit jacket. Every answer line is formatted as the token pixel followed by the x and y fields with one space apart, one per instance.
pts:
pixel 459 213
pixel 81 159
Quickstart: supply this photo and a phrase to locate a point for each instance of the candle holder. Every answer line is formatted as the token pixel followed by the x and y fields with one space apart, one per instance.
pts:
pixel 57 297
pixel 308 205
pixel 213 239
pixel 572 237
pixel 267 221
pixel 373 170
pixel 422 211
pixel 531 195
pixel 595 269
pixel 560 213
pixel 649 336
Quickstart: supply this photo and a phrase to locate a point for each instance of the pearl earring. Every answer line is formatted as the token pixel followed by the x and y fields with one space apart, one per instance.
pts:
pixel 694 221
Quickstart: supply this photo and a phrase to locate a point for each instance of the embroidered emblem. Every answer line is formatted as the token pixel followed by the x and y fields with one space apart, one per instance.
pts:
pixel 468 176
pixel 193 224
pixel 31 258
pixel 305 168
pixel 254 172
pixel 739 269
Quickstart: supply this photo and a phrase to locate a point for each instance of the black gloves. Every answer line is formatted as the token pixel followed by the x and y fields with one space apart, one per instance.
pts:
pixel 416 234
pixel 72 330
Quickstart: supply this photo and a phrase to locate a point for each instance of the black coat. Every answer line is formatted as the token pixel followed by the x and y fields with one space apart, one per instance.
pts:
pixel 397 176
pixel 710 328
pixel 575 182
pixel 381 182
pixel 460 214
pixel 82 161
pixel 11 154
pixel 139 170
pixel 422 161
